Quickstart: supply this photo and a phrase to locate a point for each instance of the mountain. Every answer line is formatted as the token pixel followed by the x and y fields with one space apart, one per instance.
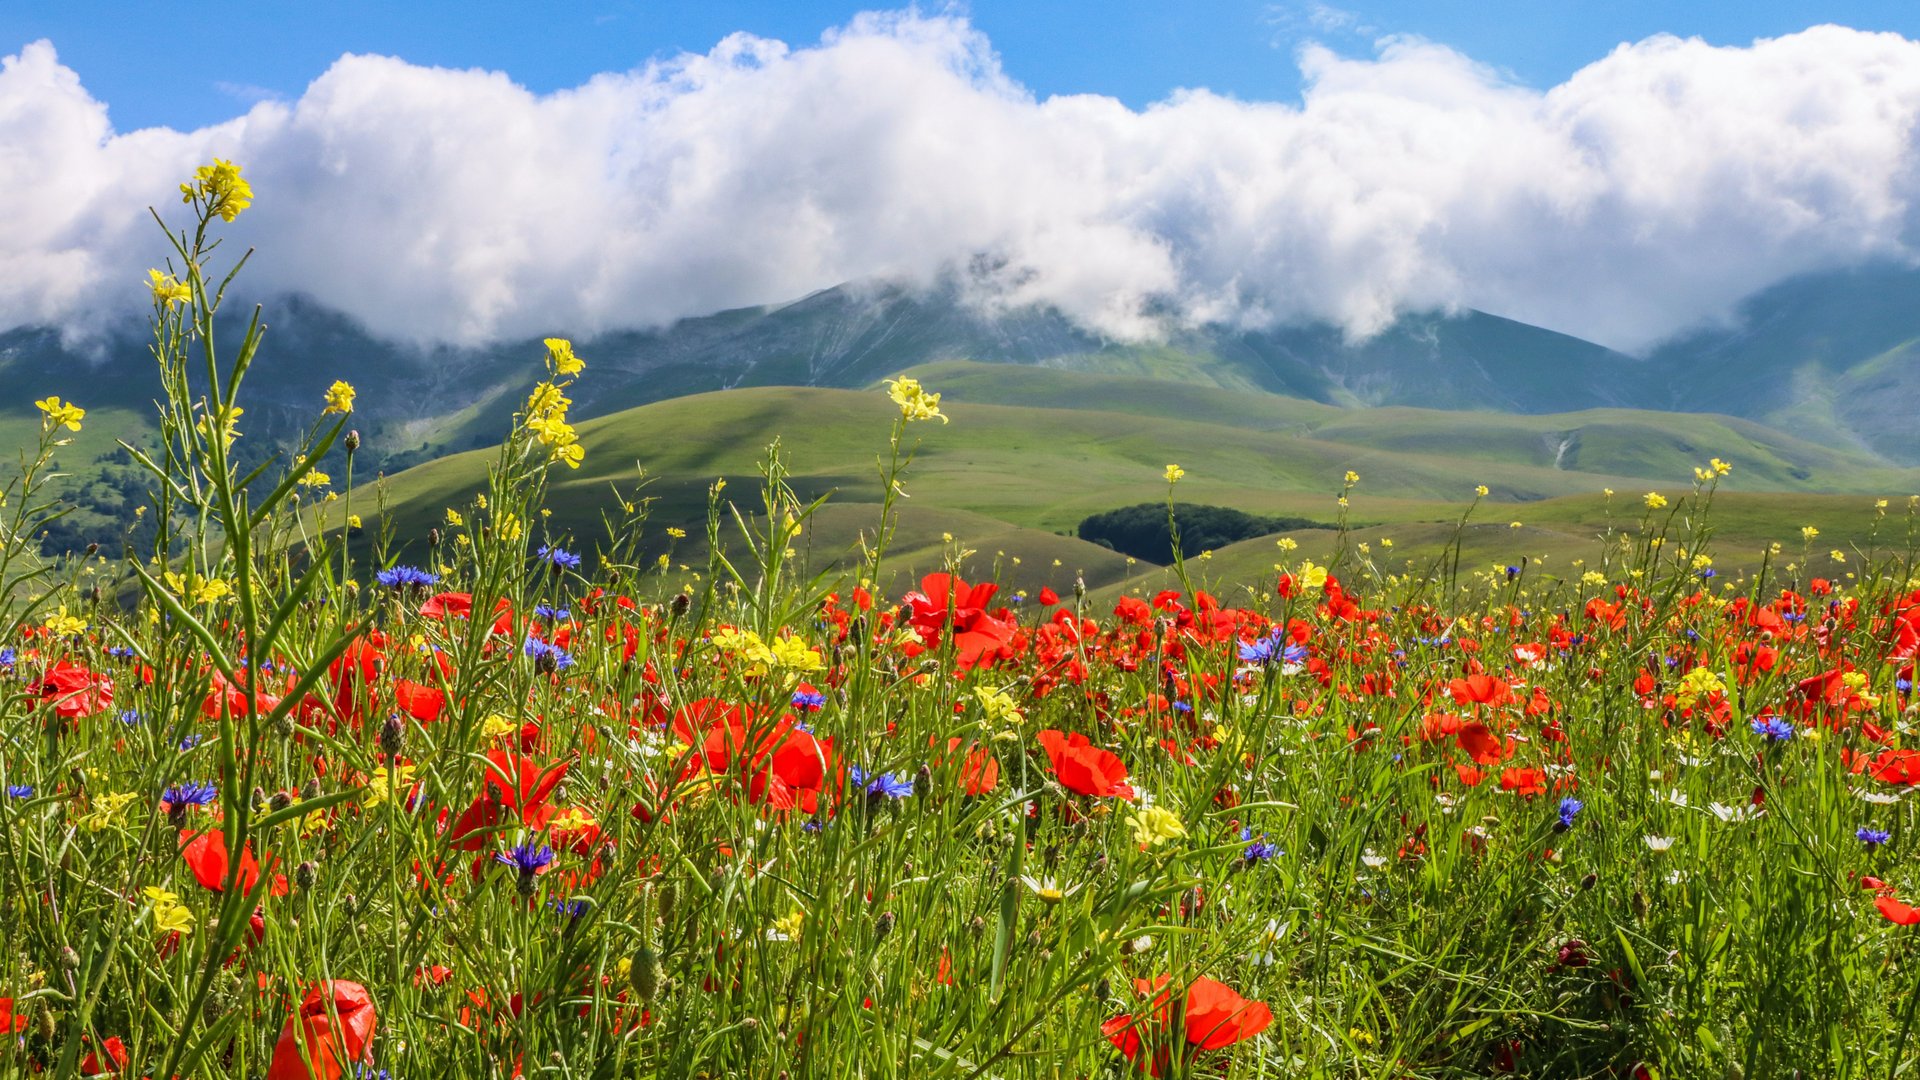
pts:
pixel 1828 363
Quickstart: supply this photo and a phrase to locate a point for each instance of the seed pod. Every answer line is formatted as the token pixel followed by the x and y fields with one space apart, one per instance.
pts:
pixel 664 896
pixel 646 974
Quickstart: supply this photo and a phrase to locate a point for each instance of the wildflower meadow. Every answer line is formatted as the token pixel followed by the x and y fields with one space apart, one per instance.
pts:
pixel 290 795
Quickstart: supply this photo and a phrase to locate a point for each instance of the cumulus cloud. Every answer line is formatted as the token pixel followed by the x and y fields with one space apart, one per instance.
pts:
pixel 1649 192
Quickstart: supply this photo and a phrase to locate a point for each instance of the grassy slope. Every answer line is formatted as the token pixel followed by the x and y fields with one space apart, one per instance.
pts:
pixel 1008 478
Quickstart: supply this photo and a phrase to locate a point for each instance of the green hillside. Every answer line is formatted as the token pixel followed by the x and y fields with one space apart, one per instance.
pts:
pixel 1009 481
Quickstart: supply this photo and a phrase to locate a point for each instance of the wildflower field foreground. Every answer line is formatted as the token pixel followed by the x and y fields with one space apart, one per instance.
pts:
pixel 281 804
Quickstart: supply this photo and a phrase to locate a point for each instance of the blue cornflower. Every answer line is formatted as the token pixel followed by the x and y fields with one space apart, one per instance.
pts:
pixel 1903 685
pixel 1257 851
pixel 1512 572
pixel 529 858
pixel 402 577
pixel 1774 728
pixel 131 717
pixel 1569 807
pixel 548 657
pixel 120 652
pixel 190 795
pixel 1707 573
pixel 810 700
pixel 561 560
pixel 1182 707
pixel 19 791
pixel 1259 650
pixel 551 613
pixel 572 909
pixel 1872 837
pixel 883 786
pixel 364 1071
pixel 6 658
pixel 190 742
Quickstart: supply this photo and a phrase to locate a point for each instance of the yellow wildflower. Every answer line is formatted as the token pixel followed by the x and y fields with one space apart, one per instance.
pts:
pixel 795 655
pixel 384 785
pixel 1174 473
pixel 170 916
pixel 103 809
pixel 561 359
pixel 57 414
pixel 62 624
pixel 167 289
pixel 1655 500
pixel 1156 825
pixel 915 401
pixel 222 187
pixel 340 397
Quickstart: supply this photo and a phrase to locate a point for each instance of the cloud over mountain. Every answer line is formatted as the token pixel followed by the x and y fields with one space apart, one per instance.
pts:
pixel 1649 192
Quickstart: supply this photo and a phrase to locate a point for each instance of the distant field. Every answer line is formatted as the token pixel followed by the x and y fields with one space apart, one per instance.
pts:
pixel 1031 451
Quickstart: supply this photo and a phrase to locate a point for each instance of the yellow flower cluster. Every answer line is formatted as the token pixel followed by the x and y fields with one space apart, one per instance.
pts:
pixel 560 358
pixel 340 397
pixel 194 589
pixel 384 785
pixel 1174 473
pixel 63 625
pixel 915 401
pixel 997 707
pixel 55 413
pixel 105 807
pixel 795 655
pixel 221 187
pixel 547 406
pixel 1155 825
pixel 1697 684
pixel 167 289
pixel 170 916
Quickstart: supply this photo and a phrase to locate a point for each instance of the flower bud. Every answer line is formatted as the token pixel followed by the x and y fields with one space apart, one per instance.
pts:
pixel 352 441
pixel 305 875
pixel 392 736
pixel 883 926
pixel 681 602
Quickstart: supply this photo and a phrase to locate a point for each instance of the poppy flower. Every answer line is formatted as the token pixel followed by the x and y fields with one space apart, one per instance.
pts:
pixel 1896 912
pixel 10 1021
pixel 1213 1016
pixel 1083 768
pixel 331 1031
pixel 74 690
pixel 116 1058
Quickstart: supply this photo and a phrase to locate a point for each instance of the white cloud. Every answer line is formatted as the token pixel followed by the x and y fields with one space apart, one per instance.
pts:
pixel 1649 192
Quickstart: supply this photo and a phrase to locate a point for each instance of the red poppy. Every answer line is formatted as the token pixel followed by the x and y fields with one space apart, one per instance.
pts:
pixel 1479 690
pixel 1084 768
pixel 116 1049
pixel 1896 912
pixel 332 1030
pixel 1213 1016
pixel 979 637
pixel 73 689
pixel 10 1020
pixel 1480 743
pixel 206 855
pixel 1528 782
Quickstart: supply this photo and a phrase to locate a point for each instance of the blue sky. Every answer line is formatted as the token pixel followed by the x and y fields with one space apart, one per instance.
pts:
pixel 142 61
pixel 1553 161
